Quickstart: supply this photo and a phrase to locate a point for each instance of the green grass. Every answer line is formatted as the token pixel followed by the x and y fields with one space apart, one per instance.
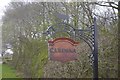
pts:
pixel 0 71
pixel 8 71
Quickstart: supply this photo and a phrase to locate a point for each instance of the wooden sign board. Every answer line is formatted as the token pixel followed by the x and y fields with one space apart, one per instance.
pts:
pixel 62 49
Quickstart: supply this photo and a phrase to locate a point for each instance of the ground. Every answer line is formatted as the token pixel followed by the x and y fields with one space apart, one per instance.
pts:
pixel 7 71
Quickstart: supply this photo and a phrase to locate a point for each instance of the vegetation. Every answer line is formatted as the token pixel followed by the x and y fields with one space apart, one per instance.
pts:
pixel 25 22
pixel 0 71
pixel 8 72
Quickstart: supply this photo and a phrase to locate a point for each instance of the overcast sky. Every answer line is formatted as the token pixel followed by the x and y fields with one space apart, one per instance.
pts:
pixel 3 3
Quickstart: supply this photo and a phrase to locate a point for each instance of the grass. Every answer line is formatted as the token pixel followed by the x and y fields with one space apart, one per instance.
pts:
pixel 0 71
pixel 7 71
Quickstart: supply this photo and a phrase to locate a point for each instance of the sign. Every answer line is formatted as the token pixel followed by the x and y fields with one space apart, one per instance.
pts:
pixel 62 49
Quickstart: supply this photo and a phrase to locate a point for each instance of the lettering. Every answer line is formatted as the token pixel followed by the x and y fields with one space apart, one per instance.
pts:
pixel 62 50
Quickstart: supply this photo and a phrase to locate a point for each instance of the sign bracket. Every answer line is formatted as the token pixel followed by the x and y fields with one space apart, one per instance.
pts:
pixel 89 35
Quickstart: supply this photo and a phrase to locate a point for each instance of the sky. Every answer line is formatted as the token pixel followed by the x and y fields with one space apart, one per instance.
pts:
pixel 3 3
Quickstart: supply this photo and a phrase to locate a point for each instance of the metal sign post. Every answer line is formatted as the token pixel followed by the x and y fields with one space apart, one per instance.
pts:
pixel 89 35
pixel 95 51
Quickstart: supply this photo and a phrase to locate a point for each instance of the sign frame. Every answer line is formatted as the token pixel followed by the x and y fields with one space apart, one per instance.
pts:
pixel 91 39
pixel 62 49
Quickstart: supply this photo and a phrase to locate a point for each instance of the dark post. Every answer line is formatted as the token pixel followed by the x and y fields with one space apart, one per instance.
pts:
pixel 118 38
pixel 95 52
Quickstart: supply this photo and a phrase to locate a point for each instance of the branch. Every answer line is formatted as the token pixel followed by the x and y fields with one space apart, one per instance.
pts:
pixel 110 5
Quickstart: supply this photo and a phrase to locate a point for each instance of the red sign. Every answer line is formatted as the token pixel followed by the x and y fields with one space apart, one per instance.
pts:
pixel 62 49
